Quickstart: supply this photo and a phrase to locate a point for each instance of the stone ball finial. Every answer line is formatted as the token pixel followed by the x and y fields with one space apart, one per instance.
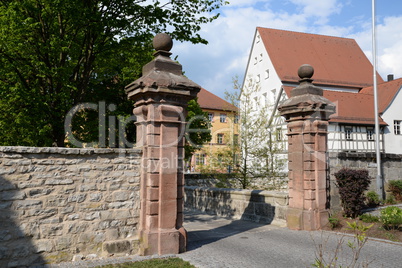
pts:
pixel 305 71
pixel 163 42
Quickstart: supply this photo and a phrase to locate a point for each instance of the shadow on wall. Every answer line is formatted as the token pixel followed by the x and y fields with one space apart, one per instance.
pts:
pixel 16 248
pixel 258 210
pixel 251 205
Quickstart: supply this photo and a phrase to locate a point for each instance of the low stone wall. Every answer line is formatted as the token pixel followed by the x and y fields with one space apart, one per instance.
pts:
pixel 252 205
pixel 210 180
pixel 391 169
pixel 59 202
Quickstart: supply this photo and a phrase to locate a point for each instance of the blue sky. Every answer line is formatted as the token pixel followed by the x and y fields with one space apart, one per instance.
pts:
pixel 214 66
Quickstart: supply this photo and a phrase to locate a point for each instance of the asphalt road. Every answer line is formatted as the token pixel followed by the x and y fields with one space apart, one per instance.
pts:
pixel 216 242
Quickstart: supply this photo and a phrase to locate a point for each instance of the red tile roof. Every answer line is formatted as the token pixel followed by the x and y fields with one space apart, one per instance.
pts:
pixel 336 61
pixel 356 108
pixel 208 100
pixel 386 93
pixel 352 108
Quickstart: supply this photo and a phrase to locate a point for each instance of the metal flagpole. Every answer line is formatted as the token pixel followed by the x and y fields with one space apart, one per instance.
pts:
pixel 380 185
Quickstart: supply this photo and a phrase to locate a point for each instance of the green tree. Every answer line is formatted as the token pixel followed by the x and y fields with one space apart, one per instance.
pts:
pixel 198 128
pixel 55 54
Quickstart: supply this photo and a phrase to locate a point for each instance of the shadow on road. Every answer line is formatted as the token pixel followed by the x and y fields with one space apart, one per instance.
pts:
pixel 204 229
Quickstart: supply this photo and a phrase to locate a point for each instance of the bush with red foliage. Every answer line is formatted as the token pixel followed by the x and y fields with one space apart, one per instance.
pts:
pixel 352 183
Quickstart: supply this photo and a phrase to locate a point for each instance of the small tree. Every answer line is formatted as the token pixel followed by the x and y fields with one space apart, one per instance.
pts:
pixel 257 152
pixel 352 184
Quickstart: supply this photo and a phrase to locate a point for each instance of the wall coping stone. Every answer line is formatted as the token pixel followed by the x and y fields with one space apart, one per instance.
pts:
pixel 363 155
pixel 68 151
pixel 240 191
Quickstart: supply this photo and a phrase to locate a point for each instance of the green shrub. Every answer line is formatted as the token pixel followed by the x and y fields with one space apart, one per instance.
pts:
pixel 368 218
pixel 390 200
pixel 391 217
pixel 352 184
pixel 373 199
pixel 395 186
pixel 334 222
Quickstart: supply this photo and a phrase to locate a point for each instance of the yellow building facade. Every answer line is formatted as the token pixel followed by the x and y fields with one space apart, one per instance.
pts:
pixel 225 130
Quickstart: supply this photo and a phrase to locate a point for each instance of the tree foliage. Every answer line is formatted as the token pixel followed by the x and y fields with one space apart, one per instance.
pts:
pixel 55 54
pixel 198 128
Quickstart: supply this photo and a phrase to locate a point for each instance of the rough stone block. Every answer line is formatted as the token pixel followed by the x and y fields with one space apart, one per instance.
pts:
pixel 119 246
pixel 294 218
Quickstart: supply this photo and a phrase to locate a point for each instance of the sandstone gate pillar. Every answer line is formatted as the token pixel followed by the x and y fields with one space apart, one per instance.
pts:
pixel 307 113
pixel 160 97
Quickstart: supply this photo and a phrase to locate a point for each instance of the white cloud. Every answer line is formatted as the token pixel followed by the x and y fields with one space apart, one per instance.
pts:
pixel 213 66
pixel 317 8
pixel 389 45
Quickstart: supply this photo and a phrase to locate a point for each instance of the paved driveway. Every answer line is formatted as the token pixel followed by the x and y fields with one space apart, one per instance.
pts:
pixel 216 242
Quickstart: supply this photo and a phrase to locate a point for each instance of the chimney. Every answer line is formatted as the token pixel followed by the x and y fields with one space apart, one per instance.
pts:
pixel 390 77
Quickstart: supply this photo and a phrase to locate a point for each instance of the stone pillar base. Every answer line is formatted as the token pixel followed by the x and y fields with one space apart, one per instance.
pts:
pixel 310 220
pixel 163 242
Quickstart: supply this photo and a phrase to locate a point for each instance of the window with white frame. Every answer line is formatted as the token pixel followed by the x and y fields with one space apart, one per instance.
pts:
pixel 397 127
pixel 278 133
pixel 222 118
pixel 200 159
pixel 348 133
pixel 236 139
pixel 370 133
pixel 220 138
pixel 211 117
pixel 236 119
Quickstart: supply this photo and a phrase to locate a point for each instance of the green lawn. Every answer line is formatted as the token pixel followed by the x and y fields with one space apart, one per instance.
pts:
pixel 158 263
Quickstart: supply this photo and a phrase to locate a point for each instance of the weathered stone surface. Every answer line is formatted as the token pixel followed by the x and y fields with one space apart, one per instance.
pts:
pixel 53 200
pixel 239 204
pixel 307 113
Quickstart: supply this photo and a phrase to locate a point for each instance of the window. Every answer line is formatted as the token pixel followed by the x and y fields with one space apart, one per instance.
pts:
pixel 278 134
pixel 258 79
pixel 264 99
pixel 348 133
pixel 266 74
pixel 370 134
pixel 261 57
pixel 236 139
pixel 200 159
pixel 258 38
pixel 255 60
pixel 220 138
pixel 223 118
pixel 397 127
pixel 211 117
pixel 236 119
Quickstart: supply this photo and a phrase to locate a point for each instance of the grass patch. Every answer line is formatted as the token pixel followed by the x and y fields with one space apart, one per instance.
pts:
pixel 154 263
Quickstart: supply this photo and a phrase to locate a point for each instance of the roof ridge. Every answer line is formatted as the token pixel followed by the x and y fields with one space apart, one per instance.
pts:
pixel 304 33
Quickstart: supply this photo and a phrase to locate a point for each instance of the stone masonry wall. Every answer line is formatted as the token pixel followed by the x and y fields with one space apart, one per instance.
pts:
pixel 252 205
pixel 59 202
pixel 391 169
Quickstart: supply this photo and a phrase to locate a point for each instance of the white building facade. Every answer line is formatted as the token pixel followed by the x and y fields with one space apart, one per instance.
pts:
pixel 345 74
